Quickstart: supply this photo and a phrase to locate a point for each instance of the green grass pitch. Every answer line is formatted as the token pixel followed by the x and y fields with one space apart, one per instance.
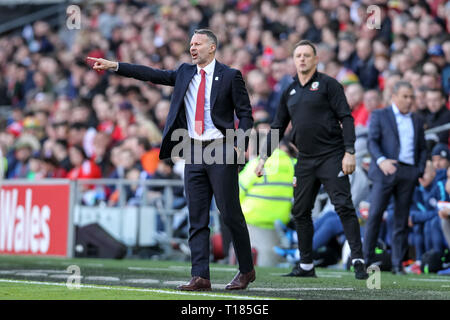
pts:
pixel 38 278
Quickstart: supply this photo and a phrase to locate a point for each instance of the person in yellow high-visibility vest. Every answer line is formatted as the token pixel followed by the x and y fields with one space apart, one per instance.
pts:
pixel 266 199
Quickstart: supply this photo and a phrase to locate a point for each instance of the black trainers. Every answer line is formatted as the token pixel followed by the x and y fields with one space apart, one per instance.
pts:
pixel 297 271
pixel 360 270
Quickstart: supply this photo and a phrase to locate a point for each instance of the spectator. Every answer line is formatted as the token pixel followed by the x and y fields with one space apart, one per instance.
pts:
pixel 424 218
pixel 320 20
pixel 18 164
pixel 440 157
pixel 417 49
pixel 61 130
pixel 3 161
pixel 82 167
pixel 444 213
pixel 50 168
pixel 265 200
pixel 77 132
pixel 123 159
pixel 365 67
pixel 355 95
pixel 446 67
pixel 61 154
pixel 34 167
pixel 259 91
pixel 431 80
pixel 306 30
pixel 347 54
pixel 32 127
pixel 342 74
pixel 439 114
pixel 108 20
pixel 282 79
pixel 161 112
pixel 165 171
pixel 371 101
pixel 100 151
pixel 437 56
pixel 420 103
pixel 134 193
pixel 148 156
pixel 124 117
pixel 83 113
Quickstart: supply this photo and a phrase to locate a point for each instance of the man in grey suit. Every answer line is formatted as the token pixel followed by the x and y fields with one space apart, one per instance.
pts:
pixel 398 150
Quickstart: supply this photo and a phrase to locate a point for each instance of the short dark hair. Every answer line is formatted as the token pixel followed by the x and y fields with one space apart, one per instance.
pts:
pixel 80 149
pixel 306 43
pixel 401 84
pixel 141 141
pixel 211 36
pixel 436 90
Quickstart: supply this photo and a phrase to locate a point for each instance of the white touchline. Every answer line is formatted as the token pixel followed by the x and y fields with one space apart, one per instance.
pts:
pixel 300 289
pixel 179 268
pixel 139 290
pixel 430 280
pixel 211 268
pixel 101 278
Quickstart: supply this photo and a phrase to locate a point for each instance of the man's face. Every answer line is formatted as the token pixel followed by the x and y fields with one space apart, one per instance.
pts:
pixel 23 153
pixel 304 59
pixel 403 99
pixel 420 100
pixel 76 158
pixel 363 49
pixel 371 100
pixel 201 49
pixel 440 162
pixel 354 94
pixel 434 101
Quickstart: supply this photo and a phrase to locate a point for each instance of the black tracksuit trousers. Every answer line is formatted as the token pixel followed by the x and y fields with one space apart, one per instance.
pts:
pixel 311 173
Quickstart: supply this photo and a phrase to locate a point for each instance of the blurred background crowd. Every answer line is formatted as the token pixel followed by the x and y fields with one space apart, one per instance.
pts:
pixel 69 121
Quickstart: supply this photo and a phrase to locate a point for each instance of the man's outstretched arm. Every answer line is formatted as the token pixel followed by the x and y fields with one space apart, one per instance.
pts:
pixel 135 71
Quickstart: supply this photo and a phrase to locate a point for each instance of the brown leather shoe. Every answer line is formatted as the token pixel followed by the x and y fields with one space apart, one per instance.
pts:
pixel 241 280
pixel 196 284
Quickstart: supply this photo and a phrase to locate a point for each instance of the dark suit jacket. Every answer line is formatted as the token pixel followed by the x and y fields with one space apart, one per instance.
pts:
pixel 228 95
pixel 384 141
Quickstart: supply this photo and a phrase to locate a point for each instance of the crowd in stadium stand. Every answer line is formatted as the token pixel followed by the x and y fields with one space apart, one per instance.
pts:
pixel 69 121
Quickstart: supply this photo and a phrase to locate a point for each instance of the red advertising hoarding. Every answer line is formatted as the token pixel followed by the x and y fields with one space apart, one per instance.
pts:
pixel 35 219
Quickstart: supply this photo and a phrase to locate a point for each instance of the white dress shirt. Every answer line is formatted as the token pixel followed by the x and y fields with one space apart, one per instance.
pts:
pixel 405 128
pixel 190 101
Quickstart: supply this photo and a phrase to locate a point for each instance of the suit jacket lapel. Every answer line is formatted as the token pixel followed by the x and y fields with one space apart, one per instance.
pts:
pixel 187 79
pixel 393 122
pixel 217 80
pixel 178 99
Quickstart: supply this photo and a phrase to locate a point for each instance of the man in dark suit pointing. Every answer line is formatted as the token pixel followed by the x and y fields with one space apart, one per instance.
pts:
pixel 206 96
pixel 398 149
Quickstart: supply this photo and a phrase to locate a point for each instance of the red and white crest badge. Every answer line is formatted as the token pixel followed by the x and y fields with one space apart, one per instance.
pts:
pixel 314 86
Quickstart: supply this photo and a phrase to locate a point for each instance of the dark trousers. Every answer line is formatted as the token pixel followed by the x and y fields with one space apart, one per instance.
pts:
pixel 201 182
pixel 311 173
pixel 401 187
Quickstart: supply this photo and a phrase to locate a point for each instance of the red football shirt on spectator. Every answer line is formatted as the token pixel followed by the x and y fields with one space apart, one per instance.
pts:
pixel 88 170
pixel 361 115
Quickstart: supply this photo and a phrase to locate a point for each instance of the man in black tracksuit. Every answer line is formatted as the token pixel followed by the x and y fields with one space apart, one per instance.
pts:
pixel 324 133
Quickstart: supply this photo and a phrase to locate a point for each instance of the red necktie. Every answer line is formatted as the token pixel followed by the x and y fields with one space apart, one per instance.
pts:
pixel 200 110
